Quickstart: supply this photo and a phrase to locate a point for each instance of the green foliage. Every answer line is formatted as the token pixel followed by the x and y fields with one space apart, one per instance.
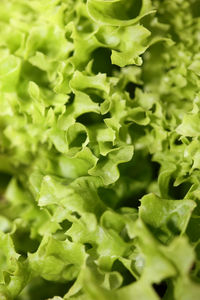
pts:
pixel 99 150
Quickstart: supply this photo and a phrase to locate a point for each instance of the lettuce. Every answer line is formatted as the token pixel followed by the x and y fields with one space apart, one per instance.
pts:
pixel 99 150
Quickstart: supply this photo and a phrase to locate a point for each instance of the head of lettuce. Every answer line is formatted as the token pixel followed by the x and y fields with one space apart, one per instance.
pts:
pixel 99 150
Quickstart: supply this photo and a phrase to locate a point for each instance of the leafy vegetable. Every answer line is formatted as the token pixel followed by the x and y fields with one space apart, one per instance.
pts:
pixel 99 150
